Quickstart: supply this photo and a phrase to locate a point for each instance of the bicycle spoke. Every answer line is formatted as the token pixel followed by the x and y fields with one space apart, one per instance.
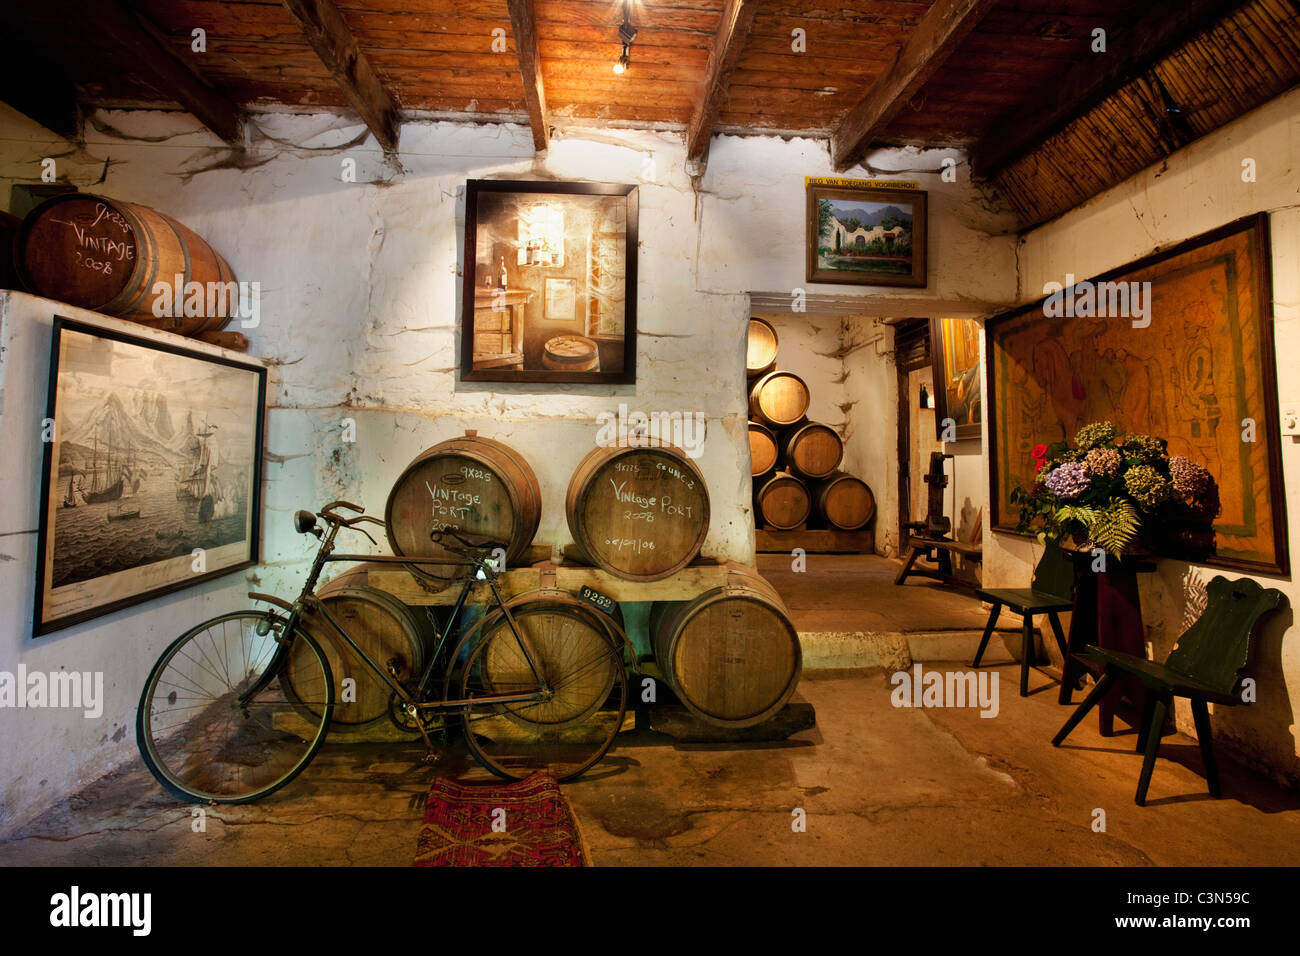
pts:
pixel 201 741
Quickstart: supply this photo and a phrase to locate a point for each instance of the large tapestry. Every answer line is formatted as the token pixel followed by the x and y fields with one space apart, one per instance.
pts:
pixel 1178 345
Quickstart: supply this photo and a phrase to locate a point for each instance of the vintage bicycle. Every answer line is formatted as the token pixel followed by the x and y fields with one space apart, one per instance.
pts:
pixel 238 706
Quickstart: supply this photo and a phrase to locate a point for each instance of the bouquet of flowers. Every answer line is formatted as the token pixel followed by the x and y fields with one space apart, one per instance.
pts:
pixel 1101 488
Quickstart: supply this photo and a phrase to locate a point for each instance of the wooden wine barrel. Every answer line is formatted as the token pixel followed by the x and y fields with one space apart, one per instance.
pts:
pixel 763 449
pixel 472 485
pixel 571 353
pixel 395 637
pixel 639 513
pixel 812 450
pixel 844 502
pixel 778 399
pixel 760 348
pixel 105 255
pixel 783 502
pixel 731 656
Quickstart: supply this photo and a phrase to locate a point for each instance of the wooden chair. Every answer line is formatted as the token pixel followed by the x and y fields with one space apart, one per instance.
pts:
pixel 1204 666
pixel 1050 591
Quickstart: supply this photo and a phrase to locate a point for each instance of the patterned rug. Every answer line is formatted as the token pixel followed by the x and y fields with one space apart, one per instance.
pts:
pixel 528 823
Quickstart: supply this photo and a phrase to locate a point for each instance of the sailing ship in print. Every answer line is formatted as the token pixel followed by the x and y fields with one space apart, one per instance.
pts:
pixel 143 478
pixel 200 481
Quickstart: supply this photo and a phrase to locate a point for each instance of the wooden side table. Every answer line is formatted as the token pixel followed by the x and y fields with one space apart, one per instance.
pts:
pixel 1107 612
pixel 499 327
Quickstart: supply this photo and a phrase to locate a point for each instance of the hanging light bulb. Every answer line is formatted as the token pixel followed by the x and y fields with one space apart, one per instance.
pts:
pixel 626 33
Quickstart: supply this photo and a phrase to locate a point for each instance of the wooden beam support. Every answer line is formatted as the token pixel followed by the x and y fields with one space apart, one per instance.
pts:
pixel 1131 49
pixel 724 54
pixel 174 76
pixel 523 23
pixel 938 34
pixel 328 33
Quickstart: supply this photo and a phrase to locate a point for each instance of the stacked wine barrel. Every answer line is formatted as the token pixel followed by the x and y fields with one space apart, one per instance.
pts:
pixel 795 462
pixel 641 513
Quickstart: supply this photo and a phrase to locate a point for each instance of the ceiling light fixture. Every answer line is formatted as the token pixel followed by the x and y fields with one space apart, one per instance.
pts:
pixel 626 33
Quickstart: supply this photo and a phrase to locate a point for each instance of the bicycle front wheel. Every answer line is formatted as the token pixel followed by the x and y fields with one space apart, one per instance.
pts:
pixel 229 714
pixel 564 722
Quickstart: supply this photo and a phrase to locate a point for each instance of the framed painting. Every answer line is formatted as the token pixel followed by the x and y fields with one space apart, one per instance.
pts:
pixel 866 236
pixel 549 282
pixel 151 480
pixel 958 396
pixel 1178 345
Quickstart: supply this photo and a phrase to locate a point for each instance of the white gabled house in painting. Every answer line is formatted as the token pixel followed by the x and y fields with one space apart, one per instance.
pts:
pixel 844 238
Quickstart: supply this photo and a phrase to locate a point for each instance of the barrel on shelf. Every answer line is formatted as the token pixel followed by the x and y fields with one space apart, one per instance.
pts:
pixel 844 502
pixel 760 348
pixel 571 353
pixel 763 449
pixel 783 502
pixel 812 450
pixel 731 656
pixel 106 255
pixel 640 513
pixel 394 636
pixel 473 485
pixel 778 399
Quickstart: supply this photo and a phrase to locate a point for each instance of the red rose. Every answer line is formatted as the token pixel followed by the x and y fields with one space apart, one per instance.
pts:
pixel 1040 451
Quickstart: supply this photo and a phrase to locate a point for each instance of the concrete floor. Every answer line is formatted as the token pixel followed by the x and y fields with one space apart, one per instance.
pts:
pixel 856 592
pixel 879 785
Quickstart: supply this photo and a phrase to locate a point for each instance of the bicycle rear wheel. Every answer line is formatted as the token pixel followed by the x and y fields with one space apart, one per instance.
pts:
pixel 197 737
pixel 563 732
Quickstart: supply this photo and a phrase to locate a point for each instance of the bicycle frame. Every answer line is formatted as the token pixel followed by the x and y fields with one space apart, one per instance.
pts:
pixel 307 599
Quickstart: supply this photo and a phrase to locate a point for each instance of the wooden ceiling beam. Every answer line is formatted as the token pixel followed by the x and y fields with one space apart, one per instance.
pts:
pixel 724 54
pixel 523 22
pixel 1132 48
pixel 327 32
pixel 148 50
pixel 937 35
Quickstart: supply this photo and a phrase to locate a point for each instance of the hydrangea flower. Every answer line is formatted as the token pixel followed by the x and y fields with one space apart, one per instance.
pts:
pixel 1144 448
pixel 1103 461
pixel 1190 479
pixel 1094 434
pixel 1068 481
pixel 1147 486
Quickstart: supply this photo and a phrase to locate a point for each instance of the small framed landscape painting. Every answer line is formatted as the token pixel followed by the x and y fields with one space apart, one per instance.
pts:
pixel 152 472
pixel 866 235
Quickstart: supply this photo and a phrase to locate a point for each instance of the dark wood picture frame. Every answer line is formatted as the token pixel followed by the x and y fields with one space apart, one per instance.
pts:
pixel 916 275
pixel 43 623
pixel 1266 416
pixel 939 362
pixel 508 353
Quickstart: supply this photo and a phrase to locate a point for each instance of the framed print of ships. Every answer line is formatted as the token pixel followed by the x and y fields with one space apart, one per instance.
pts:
pixel 151 476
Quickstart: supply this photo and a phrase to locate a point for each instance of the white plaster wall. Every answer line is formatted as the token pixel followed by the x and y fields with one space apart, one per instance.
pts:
pixel 359 309
pixel 1195 190
pixel 871 429
pixel 46 753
